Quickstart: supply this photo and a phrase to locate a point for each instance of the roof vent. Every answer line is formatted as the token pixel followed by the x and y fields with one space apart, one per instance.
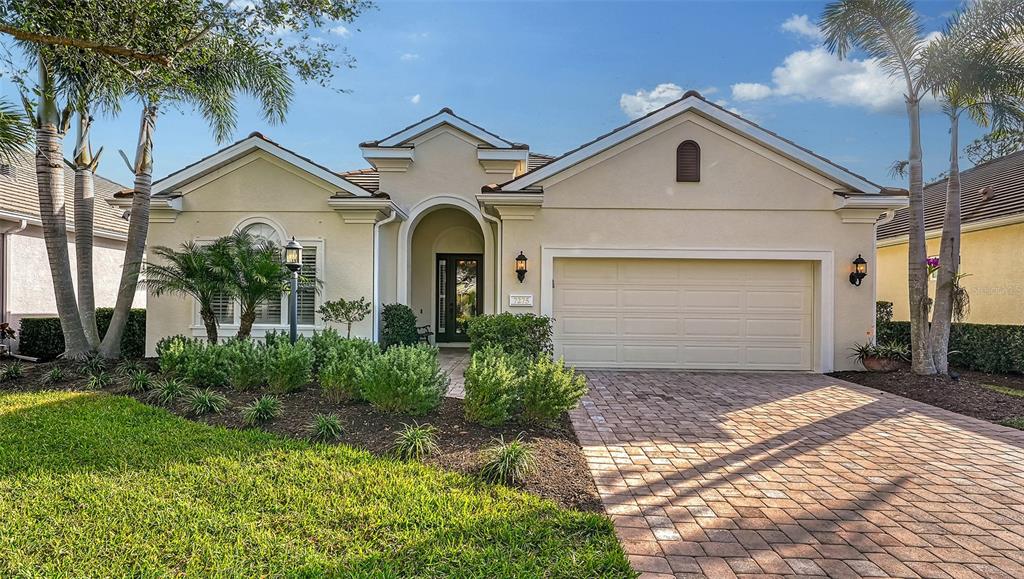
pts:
pixel 987 193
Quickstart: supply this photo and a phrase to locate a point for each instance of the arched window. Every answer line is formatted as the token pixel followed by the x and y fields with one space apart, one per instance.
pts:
pixel 264 232
pixel 688 162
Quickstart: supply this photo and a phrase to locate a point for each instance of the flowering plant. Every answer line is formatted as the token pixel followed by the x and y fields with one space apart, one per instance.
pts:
pixel 932 265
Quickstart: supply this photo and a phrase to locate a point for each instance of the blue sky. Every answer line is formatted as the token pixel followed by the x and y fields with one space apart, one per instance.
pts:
pixel 554 75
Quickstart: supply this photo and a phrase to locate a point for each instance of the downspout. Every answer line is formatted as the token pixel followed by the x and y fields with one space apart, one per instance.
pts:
pixel 4 261
pixel 376 271
pixel 497 269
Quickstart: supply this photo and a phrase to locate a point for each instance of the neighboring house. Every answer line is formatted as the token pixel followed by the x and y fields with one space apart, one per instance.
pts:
pixel 26 288
pixel 991 245
pixel 688 238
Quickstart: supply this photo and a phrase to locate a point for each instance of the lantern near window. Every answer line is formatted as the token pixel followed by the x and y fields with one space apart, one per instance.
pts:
pixel 293 255
pixel 521 267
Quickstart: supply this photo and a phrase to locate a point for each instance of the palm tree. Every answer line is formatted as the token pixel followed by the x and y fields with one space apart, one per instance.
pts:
pixel 890 32
pixel 975 67
pixel 254 272
pixel 190 272
pixel 226 70
pixel 15 131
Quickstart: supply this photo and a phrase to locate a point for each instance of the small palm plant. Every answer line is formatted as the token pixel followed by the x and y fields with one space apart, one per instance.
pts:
pixel 206 401
pixel 261 410
pixel 168 390
pixel 191 272
pixel 326 428
pixel 508 462
pixel 416 442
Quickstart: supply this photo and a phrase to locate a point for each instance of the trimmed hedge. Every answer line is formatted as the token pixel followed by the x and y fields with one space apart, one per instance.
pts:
pixel 42 337
pixel 527 335
pixel 981 347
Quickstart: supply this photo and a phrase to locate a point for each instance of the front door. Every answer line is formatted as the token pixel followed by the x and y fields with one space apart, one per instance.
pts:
pixel 459 294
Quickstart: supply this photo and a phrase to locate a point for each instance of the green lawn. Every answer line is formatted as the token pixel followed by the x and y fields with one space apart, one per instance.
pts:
pixel 93 484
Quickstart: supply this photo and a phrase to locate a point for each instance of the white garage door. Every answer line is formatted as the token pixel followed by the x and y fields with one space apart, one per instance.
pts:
pixel 677 313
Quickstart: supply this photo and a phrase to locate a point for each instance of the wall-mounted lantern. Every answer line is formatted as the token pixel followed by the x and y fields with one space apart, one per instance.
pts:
pixel 860 270
pixel 521 267
pixel 293 261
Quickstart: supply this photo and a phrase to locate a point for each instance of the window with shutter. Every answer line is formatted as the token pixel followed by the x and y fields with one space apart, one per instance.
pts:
pixel 224 308
pixel 307 294
pixel 688 162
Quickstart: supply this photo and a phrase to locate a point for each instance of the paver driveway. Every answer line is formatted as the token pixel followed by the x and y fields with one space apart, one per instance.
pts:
pixel 718 474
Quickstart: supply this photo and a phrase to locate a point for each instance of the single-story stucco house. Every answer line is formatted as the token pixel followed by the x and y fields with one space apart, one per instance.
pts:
pixel 991 245
pixel 688 238
pixel 26 288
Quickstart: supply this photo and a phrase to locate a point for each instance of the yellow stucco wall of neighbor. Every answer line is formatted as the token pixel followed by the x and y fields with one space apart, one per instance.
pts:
pixel 993 257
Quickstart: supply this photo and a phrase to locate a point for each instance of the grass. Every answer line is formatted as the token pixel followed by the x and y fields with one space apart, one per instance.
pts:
pixel 1016 393
pixel 1016 422
pixel 93 484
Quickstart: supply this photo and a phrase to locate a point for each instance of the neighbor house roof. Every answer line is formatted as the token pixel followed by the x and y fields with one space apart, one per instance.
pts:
pixel 693 101
pixel 238 149
pixel 19 196
pixel 369 178
pixel 989 191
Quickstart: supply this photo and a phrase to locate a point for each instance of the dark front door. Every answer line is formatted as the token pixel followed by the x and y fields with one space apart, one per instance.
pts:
pixel 459 294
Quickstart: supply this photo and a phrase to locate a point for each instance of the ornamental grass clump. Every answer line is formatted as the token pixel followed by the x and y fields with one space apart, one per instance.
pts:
pixel 168 390
pixel 11 372
pixel 326 428
pixel 129 367
pixel 99 380
pixel 92 365
pixel 206 401
pixel 56 375
pixel 263 409
pixel 339 377
pixel 139 381
pixel 493 381
pixel 415 442
pixel 508 462
pixel 289 366
pixel 404 379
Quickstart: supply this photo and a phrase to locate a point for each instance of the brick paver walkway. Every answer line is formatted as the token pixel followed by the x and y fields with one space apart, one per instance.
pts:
pixel 453 361
pixel 745 474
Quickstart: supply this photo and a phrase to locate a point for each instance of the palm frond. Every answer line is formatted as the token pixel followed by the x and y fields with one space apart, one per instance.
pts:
pixel 15 131
pixel 887 30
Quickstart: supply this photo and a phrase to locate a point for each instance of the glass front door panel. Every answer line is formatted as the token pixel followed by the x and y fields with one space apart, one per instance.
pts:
pixel 466 293
pixel 459 295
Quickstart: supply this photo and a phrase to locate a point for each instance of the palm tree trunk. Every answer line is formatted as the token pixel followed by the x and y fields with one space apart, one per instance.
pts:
pixel 138 230
pixel 949 255
pixel 922 362
pixel 210 322
pixel 53 213
pixel 84 211
pixel 245 323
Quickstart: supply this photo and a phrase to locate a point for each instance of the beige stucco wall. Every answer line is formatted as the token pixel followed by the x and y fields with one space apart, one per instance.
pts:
pixel 445 163
pixel 445 230
pixel 259 186
pixel 993 258
pixel 748 198
pixel 29 291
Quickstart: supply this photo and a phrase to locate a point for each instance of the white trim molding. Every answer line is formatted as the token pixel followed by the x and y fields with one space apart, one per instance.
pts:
pixel 868 208
pixel 1002 221
pixel 443 117
pixel 826 287
pixel 694 102
pixel 512 206
pixel 362 210
pixel 246 146
pixel 389 159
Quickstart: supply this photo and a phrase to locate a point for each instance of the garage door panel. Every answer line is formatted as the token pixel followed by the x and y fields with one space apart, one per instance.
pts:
pixel 713 314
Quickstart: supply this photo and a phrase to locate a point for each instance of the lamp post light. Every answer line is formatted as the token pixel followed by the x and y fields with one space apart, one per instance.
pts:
pixel 293 261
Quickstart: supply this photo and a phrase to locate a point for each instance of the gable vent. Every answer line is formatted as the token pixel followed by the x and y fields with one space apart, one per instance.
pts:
pixel 688 162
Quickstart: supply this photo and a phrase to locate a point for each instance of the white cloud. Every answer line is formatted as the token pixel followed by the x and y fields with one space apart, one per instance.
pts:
pixel 817 74
pixel 341 31
pixel 415 99
pixel 409 57
pixel 801 25
pixel 708 91
pixel 642 102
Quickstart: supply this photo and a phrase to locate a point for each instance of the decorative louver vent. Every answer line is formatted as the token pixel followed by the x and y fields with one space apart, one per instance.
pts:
pixel 688 162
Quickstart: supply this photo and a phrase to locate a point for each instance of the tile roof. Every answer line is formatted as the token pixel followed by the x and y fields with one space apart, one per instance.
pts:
pixel 1004 179
pixel 18 195
pixel 369 179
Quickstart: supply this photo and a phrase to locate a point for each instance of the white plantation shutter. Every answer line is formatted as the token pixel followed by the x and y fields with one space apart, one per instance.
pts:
pixel 269 312
pixel 307 295
pixel 224 309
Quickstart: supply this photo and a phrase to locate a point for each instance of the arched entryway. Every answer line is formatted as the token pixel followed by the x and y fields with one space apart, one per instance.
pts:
pixel 447 248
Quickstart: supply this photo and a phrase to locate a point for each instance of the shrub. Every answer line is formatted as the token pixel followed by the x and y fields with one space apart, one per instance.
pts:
pixel 56 375
pixel 982 347
pixel 171 352
pixel 549 390
pixel 398 326
pixel 404 379
pixel 247 361
pixel 415 442
pixel 43 338
pixel 11 372
pixel 262 409
pixel 507 462
pixel 140 381
pixel 99 380
pixel 205 401
pixel 326 428
pixel 324 345
pixel 289 366
pixel 275 337
pixel 883 312
pixel 493 381
pixel 340 378
pixel 205 365
pixel 168 390
pixel 525 334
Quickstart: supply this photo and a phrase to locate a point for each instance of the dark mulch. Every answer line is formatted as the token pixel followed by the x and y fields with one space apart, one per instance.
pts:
pixel 561 475
pixel 965 395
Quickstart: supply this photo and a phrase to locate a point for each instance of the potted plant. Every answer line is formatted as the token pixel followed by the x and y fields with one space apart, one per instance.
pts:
pixel 6 334
pixel 881 357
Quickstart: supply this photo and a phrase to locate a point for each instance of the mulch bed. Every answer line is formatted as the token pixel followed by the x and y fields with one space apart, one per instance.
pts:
pixel 964 395
pixel 561 474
